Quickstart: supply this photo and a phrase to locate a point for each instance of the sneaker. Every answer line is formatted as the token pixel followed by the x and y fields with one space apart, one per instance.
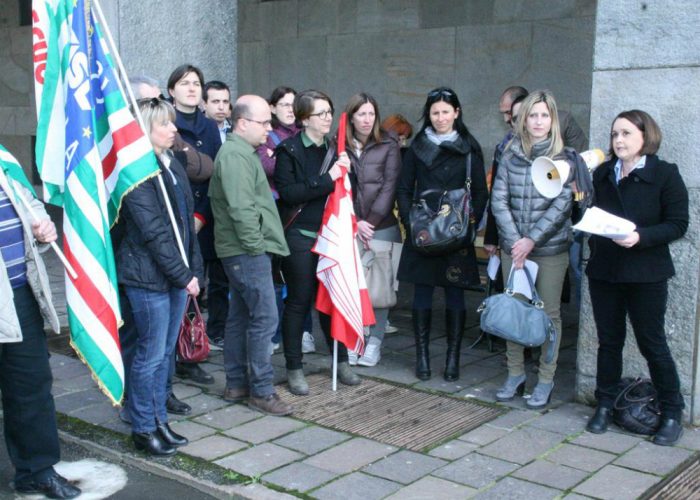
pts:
pixel 372 353
pixel 308 344
pixel 352 358
pixel 270 405
pixel 216 344
pixel 390 328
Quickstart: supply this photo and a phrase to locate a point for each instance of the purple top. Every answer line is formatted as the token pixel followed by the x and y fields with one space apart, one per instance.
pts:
pixel 265 151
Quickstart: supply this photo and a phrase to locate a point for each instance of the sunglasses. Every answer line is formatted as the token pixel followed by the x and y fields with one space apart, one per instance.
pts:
pixel 441 92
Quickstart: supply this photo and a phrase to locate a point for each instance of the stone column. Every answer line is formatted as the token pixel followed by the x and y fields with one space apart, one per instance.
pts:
pixel 647 56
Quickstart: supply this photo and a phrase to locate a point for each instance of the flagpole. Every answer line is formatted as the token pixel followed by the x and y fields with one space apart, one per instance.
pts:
pixel 137 111
pixel 53 244
pixel 335 365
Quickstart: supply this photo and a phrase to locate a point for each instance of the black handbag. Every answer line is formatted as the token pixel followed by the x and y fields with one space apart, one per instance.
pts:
pixel 636 408
pixel 516 320
pixel 451 226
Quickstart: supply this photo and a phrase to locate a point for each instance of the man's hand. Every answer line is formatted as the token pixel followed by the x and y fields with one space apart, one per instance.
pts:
pixel 490 249
pixel 44 231
pixel 193 287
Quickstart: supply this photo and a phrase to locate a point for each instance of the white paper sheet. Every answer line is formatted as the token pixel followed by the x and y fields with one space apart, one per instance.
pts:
pixel 520 283
pixel 602 223
pixel 493 267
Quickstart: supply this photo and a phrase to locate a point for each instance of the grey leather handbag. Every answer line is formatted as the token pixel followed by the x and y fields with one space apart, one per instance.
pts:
pixel 518 320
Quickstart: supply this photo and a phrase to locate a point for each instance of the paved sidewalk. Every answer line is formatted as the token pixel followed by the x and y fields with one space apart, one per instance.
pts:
pixel 521 454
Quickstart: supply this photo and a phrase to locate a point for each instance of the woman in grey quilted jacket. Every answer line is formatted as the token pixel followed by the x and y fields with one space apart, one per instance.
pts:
pixel 533 227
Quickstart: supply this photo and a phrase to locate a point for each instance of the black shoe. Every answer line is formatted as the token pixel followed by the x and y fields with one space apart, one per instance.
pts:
pixel 177 407
pixel 170 436
pixel 421 329
pixel 599 422
pixel 193 372
pixel 669 432
pixel 152 443
pixel 53 486
pixel 454 325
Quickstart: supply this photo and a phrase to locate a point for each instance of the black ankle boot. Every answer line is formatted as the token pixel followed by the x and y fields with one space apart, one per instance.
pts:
pixel 421 329
pixel 152 443
pixel 598 424
pixel 170 436
pixel 669 432
pixel 454 325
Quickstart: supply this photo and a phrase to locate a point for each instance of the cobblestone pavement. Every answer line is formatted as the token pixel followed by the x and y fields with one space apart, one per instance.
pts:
pixel 521 454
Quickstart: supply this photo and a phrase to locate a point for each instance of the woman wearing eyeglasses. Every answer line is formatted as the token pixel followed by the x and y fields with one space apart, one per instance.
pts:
pixel 305 175
pixel 437 159
pixel 156 279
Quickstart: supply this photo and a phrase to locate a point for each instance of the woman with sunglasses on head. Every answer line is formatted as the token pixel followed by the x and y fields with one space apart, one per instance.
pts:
pixel 532 226
pixel 438 159
pixel 305 175
pixel 629 276
pixel 376 163
pixel 157 279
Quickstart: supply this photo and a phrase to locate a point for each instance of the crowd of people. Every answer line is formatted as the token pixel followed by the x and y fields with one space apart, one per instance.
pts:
pixel 238 205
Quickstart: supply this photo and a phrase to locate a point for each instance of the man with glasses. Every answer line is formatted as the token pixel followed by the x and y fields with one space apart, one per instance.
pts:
pixel 248 232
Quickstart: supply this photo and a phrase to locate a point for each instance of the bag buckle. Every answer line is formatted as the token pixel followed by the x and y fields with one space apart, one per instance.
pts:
pixel 538 304
pixel 509 292
pixel 481 307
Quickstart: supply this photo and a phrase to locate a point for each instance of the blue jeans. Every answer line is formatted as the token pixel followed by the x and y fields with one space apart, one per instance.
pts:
pixel 251 323
pixel 157 317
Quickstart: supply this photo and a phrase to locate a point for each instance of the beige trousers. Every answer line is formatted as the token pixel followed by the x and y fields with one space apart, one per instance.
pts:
pixel 550 278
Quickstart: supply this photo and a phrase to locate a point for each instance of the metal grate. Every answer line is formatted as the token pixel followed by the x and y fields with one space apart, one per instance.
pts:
pixel 683 484
pixel 398 416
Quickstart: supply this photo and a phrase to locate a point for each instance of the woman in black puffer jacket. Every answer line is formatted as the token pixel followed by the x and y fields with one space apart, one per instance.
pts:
pixel 437 159
pixel 156 280
pixel 531 226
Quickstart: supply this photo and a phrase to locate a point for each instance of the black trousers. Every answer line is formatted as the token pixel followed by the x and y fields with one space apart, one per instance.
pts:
pixel 645 303
pixel 299 269
pixel 31 435
pixel 217 299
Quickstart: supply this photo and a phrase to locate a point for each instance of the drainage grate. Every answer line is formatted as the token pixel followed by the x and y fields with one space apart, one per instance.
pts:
pixel 683 484
pixel 398 416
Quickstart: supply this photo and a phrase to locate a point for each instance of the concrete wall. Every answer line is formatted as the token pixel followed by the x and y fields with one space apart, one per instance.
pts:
pixel 154 37
pixel 17 114
pixel 400 49
pixel 647 56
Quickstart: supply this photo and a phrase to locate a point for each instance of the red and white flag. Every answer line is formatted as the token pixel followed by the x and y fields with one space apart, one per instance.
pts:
pixel 342 291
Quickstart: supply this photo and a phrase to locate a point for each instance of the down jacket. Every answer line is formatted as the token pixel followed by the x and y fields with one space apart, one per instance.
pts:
pixel 377 173
pixel 38 278
pixel 147 254
pixel 521 211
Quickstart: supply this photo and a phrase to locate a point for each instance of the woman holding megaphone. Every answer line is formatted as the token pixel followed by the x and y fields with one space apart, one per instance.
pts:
pixel 534 227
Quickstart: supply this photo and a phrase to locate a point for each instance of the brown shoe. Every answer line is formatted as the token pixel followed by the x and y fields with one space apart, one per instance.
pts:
pixel 270 405
pixel 236 394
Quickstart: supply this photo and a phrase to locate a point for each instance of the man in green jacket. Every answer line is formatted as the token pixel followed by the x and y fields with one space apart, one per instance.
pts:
pixel 247 232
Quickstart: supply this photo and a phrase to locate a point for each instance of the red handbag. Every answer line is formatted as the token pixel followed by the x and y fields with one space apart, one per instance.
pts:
pixel 192 341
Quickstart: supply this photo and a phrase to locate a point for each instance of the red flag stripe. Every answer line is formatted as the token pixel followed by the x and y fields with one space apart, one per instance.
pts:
pixel 129 133
pixel 91 295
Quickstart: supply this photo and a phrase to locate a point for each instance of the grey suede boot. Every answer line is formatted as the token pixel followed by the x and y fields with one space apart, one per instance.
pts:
pixel 346 375
pixel 297 382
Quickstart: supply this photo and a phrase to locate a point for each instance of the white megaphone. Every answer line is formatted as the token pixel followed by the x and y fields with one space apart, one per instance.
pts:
pixel 549 176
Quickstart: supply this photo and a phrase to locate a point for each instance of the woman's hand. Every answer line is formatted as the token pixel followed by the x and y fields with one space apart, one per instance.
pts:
pixel 44 231
pixel 343 161
pixel 198 225
pixel 628 241
pixel 193 287
pixel 365 231
pixel 521 249
pixel 490 250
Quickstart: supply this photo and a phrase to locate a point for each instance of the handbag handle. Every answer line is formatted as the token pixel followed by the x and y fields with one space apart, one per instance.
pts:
pixel 536 300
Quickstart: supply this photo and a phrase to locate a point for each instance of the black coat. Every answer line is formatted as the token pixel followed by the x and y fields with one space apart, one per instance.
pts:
pixel 428 166
pixel 656 200
pixel 147 254
pixel 203 135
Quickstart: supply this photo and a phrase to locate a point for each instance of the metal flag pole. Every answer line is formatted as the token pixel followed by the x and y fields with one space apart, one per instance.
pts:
pixel 134 105
pixel 335 365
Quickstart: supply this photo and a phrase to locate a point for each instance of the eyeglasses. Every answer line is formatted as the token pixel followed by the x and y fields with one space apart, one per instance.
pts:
pixel 441 92
pixel 266 123
pixel 323 114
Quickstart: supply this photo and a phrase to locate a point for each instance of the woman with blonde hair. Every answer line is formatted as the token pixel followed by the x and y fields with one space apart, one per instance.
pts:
pixel 533 227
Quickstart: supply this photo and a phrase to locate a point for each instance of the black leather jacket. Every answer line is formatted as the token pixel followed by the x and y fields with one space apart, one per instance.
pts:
pixel 147 254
